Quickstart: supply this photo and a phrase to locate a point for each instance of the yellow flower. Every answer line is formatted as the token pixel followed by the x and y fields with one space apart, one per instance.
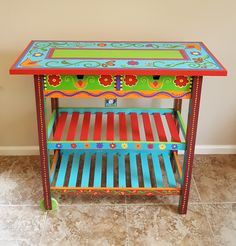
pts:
pixel 162 146
pixel 124 146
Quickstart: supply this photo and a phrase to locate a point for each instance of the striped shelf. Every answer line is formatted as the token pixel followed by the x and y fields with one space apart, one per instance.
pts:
pixel 116 172
pixel 119 128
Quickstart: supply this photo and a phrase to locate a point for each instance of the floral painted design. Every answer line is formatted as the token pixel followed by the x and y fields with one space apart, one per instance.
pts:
pixel 99 145
pixel 124 146
pixel 181 81
pixel 87 145
pixel 150 146
pixel 105 80
pixel 162 146
pixel 102 45
pixel 132 63
pixel 54 80
pixel 73 146
pixel 138 146
pixel 59 146
pixel 112 146
pixel 130 80
pixel 174 146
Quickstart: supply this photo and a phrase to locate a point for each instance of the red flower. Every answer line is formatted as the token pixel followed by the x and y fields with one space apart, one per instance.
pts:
pixel 105 80
pixel 130 80
pixel 102 45
pixel 112 146
pixel 54 80
pixel 132 63
pixel 181 81
pixel 150 146
pixel 73 145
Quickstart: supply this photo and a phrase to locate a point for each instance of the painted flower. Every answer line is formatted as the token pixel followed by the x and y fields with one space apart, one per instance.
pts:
pixel 181 81
pixel 54 80
pixel 112 146
pixel 138 146
pixel 73 145
pixel 124 146
pixel 87 145
pixel 162 146
pixel 130 80
pixel 174 146
pixel 105 80
pixel 132 63
pixel 99 145
pixel 102 45
pixel 59 146
pixel 150 146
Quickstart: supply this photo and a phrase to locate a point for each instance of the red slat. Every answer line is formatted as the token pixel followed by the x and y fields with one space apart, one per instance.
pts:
pixel 72 127
pixel 135 127
pixel 97 126
pixel 147 127
pixel 122 126
pixel 110 126
pixel 160 127
pixel 60 126
pixel 85 126
pixel 173 130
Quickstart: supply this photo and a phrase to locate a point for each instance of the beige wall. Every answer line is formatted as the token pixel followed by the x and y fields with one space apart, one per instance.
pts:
pixel 211 21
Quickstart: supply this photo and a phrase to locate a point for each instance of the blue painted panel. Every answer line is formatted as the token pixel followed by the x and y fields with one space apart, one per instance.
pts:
pixel 157 170
pixel 169 170
pixel 98 170
pixel 86 170
pixel 62 170
pixel 145 170
pixel 122 176
pixel 133 171
pixel 74 170
pixel 110 170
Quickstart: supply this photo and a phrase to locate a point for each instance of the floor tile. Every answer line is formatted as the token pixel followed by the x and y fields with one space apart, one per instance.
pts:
pixel 20 191
pixel 215 177
pixel 162 225
pixel 222 218
pixel 24 225
pixel 87 225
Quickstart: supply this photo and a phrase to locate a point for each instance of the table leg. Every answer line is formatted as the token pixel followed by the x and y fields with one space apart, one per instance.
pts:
pixel 190 143
pixel 177 107
pixel 55 106
pixel 38 84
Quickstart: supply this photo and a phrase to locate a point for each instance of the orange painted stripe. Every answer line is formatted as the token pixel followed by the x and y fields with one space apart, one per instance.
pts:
pixel 97 126
pixel 72 127
pixel 178 164
pixel 85 126
pixel 122 127
pixel 60 126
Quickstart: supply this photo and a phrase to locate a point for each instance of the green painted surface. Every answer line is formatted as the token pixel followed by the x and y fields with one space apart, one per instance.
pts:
pixel 117 54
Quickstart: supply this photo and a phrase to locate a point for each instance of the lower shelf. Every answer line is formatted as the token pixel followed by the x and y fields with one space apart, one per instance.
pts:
pixel 116 172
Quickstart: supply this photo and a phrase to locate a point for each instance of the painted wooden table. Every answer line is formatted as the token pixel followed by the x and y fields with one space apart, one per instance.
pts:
pixel 111 150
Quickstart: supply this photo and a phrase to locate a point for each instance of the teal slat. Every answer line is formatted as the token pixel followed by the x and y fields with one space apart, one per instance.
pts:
pixel 74 170
pixel 86 170
pixel 122 176
pixel 133 171
pixel 62 170
pixel 145 170
pixel 157 170
pixel 110 171
pixel 169 170
pixel 98 170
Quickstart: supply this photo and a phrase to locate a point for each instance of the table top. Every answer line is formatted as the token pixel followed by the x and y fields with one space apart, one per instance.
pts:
pixel 110 57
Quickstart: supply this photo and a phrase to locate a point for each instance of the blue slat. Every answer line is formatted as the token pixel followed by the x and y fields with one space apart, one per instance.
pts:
pixel 86 170
pixel 121 165
pixel 157 170
pixel 169 171
pixel 62 170
pixel 74 170
pixel 145 169
pixel 133 171
pixel 98 170
pixel 110 170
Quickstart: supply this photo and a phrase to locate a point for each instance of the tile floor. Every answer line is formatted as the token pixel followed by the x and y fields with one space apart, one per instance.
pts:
pixel 84 220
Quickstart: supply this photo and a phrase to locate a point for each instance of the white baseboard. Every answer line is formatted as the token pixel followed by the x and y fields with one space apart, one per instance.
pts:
pixel 200 149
